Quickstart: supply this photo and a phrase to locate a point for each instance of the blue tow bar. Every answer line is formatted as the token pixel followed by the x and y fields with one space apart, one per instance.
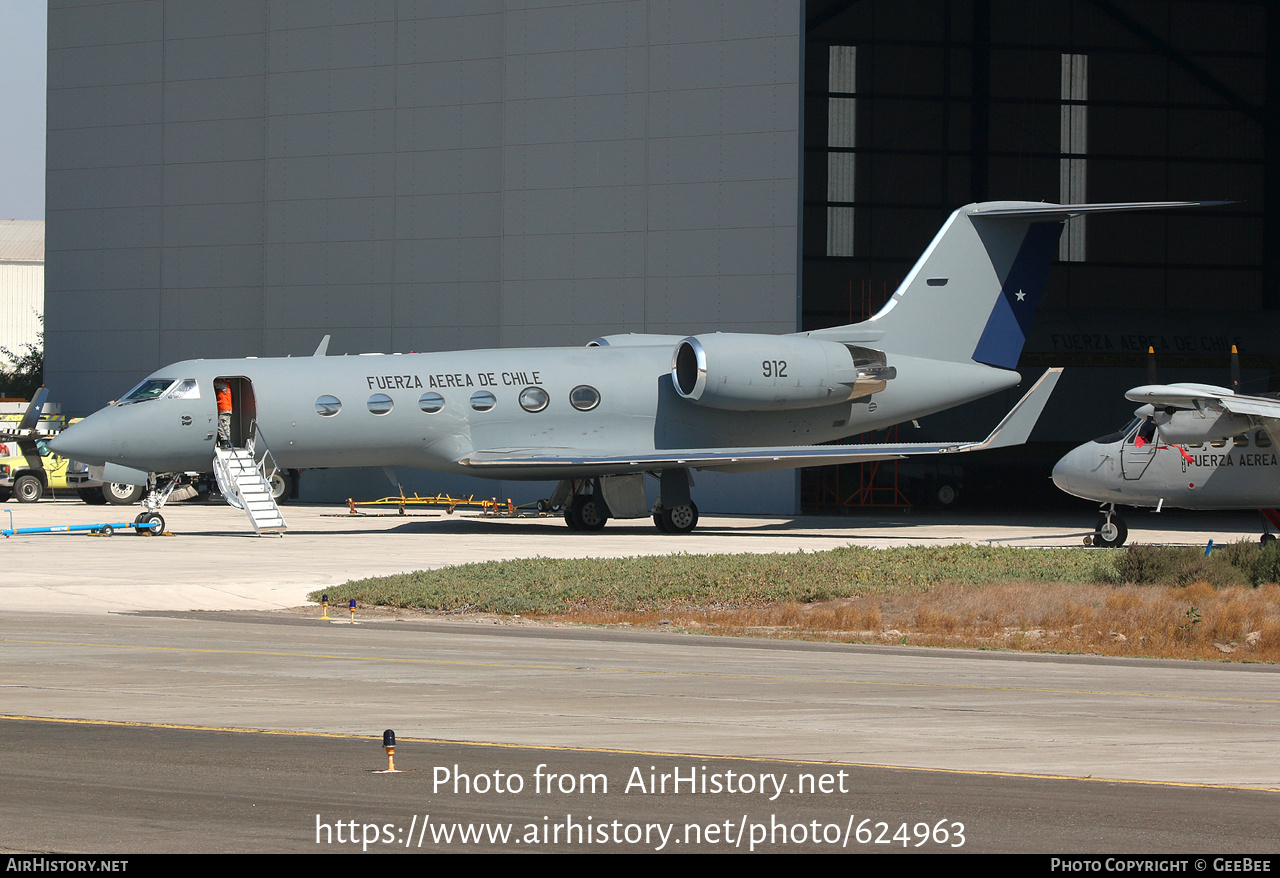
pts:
pixel 106 529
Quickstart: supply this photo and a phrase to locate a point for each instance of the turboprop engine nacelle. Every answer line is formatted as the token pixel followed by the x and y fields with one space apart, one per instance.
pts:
pixel 1183 427
pixel 752 373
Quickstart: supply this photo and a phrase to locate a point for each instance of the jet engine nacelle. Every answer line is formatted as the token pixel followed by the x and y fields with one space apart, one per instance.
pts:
pixel 743 372
pixel 1188 427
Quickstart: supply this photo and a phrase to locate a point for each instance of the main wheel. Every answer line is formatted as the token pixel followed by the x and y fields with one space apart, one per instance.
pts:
pixel 1266 538
pixel 571 519
pixel 945 494
pixel 1109 534
pixel 589 513
pixel 120 494
pixel 28 488
pixel 659 522
pixel 149 522
pixel 92 496
pixel 679 519
pixel 281 486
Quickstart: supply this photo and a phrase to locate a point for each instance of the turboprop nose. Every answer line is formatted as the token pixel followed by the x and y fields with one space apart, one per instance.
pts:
pixel 90 441
pixel 1075 472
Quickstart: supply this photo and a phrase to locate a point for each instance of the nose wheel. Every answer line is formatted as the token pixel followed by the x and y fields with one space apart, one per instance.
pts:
pixel 1110 531
pixel 149 522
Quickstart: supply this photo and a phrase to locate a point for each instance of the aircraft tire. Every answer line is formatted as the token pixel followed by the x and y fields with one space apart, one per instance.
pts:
pixel 120 494
pixel 570 520
pixel 281 486
pixel 92 496
pixel 1110 536
pixel 680 519
pixel 659 523
pixel 146 523
pixel 28 488
pixel 1266 538
pixel 588 513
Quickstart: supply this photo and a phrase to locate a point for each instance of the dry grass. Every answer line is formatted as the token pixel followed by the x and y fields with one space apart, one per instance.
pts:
pixel 1196 621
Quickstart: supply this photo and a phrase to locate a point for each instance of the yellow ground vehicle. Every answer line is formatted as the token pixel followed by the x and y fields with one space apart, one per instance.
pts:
pixel 28 477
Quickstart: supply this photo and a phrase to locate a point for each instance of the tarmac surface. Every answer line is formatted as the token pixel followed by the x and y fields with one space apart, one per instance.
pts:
pixel 131 724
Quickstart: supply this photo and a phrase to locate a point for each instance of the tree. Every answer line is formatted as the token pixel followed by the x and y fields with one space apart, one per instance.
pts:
pixel 27 374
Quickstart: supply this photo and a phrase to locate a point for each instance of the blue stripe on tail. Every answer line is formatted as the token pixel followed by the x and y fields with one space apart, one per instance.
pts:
pixel 1006 330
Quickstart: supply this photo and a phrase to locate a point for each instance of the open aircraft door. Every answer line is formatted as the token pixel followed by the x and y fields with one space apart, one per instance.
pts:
pixel 1139 449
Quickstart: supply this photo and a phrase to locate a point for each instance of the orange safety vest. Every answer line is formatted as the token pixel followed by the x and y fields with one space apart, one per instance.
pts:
pixel 224 399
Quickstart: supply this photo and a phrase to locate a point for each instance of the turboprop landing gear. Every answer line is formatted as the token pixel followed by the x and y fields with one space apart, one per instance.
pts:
pixel 1270 518
pixel 1110 531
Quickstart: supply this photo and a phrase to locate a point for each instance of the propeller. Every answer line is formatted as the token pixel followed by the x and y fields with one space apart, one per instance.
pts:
pixel 1235 369
pixel 1151 366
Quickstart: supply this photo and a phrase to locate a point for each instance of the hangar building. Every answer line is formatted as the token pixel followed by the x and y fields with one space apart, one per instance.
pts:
pixel 242 177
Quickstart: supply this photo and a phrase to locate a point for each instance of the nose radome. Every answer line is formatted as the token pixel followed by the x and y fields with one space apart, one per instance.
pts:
pixel 88 441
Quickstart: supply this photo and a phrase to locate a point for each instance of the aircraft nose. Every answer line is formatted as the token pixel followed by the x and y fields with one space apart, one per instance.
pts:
pixel 1074 472
pixel 90 441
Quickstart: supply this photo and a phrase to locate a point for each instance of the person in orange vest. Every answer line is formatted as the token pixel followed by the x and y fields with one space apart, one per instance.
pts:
pixel 225 407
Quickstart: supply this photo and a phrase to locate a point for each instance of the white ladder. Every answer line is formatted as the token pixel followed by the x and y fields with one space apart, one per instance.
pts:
pixel 245 483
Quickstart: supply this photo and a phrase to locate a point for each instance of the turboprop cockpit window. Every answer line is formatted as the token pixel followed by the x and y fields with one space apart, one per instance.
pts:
pixel 187 389
pixel 149 389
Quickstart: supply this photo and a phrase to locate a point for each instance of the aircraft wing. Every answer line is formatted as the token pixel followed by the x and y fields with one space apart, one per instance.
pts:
pixel 1013 430
pixel 1202 396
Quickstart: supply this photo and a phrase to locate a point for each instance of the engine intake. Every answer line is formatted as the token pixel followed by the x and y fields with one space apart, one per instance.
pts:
pixel 747 372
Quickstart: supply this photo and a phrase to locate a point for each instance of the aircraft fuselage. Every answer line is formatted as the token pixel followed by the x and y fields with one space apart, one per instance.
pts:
pixel 430 410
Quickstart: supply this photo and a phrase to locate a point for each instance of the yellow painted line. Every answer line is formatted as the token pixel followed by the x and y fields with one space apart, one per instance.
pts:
pixel 294 733
pixel 639 672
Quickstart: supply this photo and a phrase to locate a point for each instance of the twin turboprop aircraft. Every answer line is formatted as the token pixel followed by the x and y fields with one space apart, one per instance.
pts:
pixel 1189 446
pixel 600 417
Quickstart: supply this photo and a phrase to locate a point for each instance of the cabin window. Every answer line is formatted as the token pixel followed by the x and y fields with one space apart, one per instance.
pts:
pixel 431 402
pixel 534 399
pixel 380 404
pixel 483 400
pixel 1262 439
pixel 1218 443
pixel 327 406
pixel 186 389
pixel 1241 441
pixel 149 389
pixel 584 397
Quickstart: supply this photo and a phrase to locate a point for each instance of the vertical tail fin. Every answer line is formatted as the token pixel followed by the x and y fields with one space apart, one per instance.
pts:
pixel 972 294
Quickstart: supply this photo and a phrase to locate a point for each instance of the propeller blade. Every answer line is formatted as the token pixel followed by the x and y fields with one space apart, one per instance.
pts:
pixel 1235 369
pixel 1151 366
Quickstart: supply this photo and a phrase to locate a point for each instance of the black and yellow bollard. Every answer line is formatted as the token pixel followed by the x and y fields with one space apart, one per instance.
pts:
pixel 389 744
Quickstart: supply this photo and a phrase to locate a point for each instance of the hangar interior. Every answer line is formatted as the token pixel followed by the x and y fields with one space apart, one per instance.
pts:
pixel 239 178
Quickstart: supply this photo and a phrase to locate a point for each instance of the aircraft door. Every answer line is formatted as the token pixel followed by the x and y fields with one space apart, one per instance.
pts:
pixel 244 407
pixel 1139 449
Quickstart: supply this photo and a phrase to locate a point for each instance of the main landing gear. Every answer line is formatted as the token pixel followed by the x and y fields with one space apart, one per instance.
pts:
pixel 1110 531
pixel 587 509
pixel 676 519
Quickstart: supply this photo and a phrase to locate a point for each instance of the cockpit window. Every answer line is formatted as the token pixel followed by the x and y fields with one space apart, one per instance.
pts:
pixel 149 389
pixel 1112 438
pixel 187 389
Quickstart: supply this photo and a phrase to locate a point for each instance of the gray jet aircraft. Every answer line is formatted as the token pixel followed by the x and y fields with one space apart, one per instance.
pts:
pixel 1189 446
pixel 598 418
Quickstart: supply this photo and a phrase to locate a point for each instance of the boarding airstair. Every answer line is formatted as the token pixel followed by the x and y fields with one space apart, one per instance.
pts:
pixel 244 477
